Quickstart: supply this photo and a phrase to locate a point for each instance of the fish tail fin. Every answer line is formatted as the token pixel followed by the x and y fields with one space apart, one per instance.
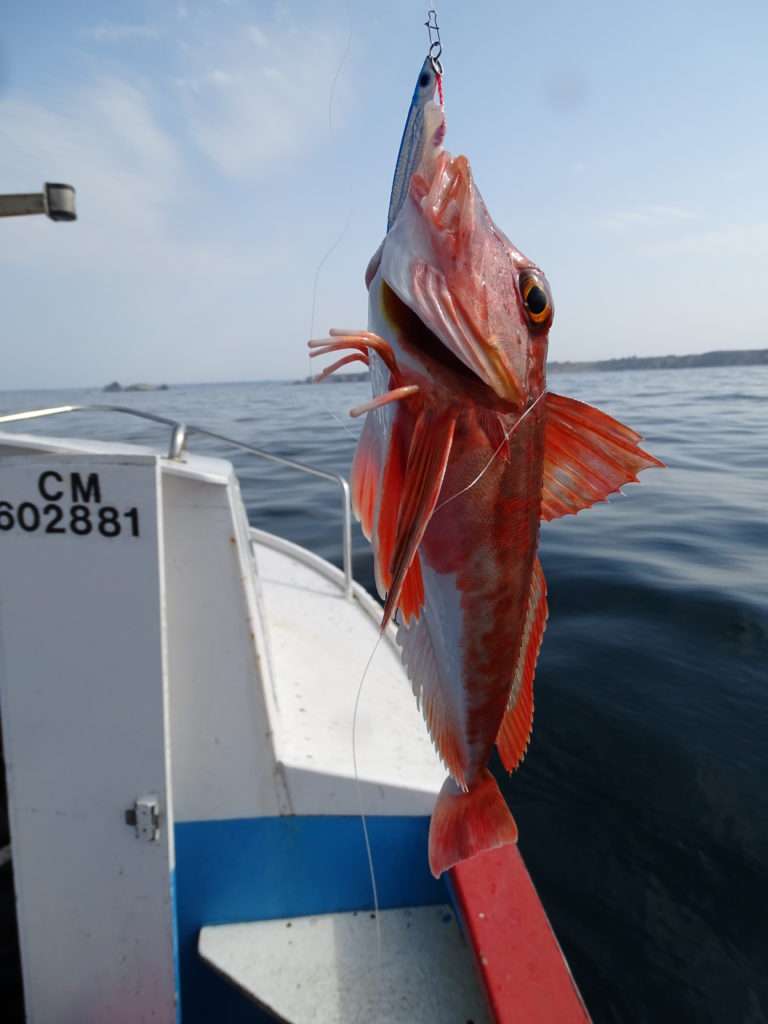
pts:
pixel 465 824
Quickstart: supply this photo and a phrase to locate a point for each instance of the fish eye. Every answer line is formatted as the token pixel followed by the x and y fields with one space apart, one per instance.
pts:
pixel 536 298
pixel 423 79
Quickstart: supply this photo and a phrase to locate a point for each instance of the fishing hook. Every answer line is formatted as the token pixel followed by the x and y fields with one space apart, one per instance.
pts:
pixel 435 46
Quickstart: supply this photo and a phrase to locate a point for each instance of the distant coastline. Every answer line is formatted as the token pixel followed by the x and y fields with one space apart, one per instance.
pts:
pixel 736 357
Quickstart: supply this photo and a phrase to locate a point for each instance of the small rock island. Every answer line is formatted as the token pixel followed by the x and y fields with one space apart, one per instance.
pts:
pixel 116 387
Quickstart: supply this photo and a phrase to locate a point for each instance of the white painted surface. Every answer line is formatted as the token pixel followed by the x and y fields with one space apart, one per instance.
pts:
pixel 320 644
pixel 264 666
pixel 84 726
pixel 221 696
pixel 240 646
pixel 201 467
pixel 326 970
pixel 221 724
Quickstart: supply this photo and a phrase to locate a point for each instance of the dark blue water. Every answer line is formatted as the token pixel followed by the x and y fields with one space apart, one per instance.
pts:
pixel 642 804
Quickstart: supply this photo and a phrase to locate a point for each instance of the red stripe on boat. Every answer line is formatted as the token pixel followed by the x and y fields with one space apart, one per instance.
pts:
pixel 525 974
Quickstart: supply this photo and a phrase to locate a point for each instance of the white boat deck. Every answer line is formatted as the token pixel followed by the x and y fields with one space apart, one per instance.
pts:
pixel 306 610
pixel 327 969
pixel 249 651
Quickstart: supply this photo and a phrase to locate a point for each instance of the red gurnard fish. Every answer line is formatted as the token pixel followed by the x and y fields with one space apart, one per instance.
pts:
pixel 462 454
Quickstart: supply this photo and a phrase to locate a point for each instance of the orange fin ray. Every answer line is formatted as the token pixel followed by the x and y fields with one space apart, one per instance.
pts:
pixel 467 823
pixel 378 470
pixel 587 456
pixel 420 664
pixel 517 724
pixel 428 454
pixel 364 481
pixel 412 592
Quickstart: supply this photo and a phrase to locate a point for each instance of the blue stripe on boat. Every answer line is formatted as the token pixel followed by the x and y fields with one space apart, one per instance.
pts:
pixel 250 869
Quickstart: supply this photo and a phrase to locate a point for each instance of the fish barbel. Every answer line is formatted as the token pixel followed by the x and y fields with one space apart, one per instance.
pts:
pixel 462 454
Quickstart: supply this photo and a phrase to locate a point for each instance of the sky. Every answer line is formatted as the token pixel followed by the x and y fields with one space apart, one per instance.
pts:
pixel 228 155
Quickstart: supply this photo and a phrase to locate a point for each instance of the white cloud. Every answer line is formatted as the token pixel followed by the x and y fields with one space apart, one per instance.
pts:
pixel 219 77
pixel 257 36
pixel 158 278
pixel 246 96
pixel 742 242
pixel 109 33
pixel 105 141
pixel 270 104
pixel 655 216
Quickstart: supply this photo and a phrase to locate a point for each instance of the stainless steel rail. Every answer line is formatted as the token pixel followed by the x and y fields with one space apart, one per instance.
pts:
pixel 180 432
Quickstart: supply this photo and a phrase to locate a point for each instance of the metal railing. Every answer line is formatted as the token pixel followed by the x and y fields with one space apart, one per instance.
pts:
pixel 180 432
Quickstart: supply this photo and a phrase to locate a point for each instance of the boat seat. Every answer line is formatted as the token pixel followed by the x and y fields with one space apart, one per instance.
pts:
pixel 328 970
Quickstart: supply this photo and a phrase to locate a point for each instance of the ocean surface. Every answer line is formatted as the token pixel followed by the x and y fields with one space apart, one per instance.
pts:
pixel 643 801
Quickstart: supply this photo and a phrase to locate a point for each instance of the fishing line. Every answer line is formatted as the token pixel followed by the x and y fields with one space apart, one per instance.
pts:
pixel 366 837
pixel 315 287
pixel 487 466
pixel 345 54
pixel 435 50
pixel 335 244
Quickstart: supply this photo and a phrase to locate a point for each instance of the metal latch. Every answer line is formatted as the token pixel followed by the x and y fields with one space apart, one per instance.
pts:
pixel 144 816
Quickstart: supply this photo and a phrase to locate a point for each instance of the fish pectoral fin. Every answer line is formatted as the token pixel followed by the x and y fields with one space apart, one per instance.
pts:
pixel 517 724
pixel 366 471
pixel 430 446
pixel 467 823
pixel 378 470
pixel 587 456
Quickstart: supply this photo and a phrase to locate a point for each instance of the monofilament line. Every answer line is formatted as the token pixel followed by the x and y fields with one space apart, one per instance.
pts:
pixel 487 466
pixel 366 837
pixel 334 246
pixel 315 286
pixel 335 80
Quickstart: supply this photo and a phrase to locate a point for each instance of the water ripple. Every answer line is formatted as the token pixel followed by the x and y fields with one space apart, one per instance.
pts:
pixel 642 803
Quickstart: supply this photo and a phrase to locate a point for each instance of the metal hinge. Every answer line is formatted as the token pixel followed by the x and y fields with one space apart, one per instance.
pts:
pixel 144 816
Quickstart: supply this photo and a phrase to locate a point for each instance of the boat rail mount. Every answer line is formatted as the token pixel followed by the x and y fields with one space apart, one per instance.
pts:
pixel 56 201
pixel 180 433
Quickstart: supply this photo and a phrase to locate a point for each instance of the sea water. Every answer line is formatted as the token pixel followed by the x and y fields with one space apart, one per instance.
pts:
pixel 643 801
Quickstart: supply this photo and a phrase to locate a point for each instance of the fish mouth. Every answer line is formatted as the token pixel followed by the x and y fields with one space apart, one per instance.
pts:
pixel 448 263
pixel 441 362
pixel 499 375
pixel 442 305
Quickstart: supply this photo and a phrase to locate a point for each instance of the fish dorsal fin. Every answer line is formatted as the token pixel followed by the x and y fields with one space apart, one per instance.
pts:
pixel 517 723
pixel 587 456
pixel 428 451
